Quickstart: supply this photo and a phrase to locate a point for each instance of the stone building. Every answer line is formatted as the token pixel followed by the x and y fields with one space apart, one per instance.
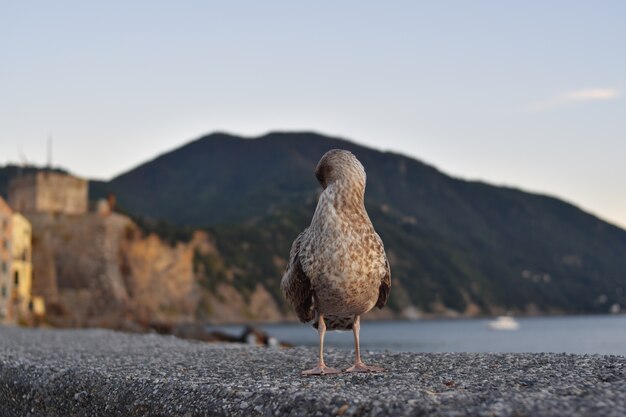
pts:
pixel 49 192
pixel 39 198
pixel 6 255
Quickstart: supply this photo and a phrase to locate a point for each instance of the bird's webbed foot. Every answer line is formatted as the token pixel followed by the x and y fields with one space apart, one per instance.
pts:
pixel 361 367
pixel 321 369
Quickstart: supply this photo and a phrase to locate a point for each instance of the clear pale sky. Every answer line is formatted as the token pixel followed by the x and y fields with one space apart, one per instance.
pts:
pixel 529 94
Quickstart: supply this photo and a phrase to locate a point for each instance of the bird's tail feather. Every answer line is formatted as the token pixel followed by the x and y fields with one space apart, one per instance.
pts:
pixel 336 322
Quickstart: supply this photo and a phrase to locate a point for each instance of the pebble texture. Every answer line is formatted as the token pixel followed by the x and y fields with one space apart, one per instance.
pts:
pixel 106 373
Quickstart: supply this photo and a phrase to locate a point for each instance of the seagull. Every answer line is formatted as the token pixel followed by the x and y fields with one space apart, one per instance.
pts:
pixel 338 269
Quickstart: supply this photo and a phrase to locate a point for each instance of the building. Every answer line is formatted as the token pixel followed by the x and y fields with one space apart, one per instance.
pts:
pixel 22 271
pixel 34 196
pixel 6 255
pixel 50 192
pixel 17 305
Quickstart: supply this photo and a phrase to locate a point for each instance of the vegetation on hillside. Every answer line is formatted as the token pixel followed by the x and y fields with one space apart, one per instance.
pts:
pixel 453 244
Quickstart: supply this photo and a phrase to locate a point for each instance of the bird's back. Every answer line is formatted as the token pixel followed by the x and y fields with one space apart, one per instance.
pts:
pixel 343 257
pixel 337 266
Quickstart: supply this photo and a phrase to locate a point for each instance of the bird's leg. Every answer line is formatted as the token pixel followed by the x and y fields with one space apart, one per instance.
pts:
pixel 321 368
pixel 359 366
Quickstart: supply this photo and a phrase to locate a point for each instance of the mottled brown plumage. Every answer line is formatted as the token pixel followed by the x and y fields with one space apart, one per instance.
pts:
pixel 338 269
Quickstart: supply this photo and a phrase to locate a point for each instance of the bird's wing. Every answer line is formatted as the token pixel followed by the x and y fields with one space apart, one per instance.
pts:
pixel 296 285
pixel 385 281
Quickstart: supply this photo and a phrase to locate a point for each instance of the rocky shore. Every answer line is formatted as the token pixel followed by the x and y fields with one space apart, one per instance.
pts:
pixel 106 373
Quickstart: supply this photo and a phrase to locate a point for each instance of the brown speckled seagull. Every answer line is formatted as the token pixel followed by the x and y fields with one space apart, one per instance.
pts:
pixel 337 268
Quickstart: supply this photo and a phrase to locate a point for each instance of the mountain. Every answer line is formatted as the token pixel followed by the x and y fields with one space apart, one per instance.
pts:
pixel 453 244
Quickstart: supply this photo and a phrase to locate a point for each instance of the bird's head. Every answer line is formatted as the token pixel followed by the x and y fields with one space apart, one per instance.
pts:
pixel 340 165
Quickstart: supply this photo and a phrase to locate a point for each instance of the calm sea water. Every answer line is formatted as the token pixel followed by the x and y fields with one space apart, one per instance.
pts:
pixel 572 334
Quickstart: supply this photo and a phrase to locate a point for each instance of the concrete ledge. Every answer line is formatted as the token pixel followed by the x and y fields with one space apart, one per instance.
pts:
pixel 105 373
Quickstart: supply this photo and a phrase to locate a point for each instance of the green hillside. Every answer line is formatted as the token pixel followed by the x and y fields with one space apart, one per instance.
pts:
pixel 468 246
pixel 450 242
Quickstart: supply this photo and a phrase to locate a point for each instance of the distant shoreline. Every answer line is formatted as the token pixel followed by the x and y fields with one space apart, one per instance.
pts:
pixel 424 318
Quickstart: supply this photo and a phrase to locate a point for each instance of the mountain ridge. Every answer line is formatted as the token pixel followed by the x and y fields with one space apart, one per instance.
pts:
pixel 455 245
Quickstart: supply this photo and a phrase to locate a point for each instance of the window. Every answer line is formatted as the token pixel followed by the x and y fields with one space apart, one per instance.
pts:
pixel 30 306
pixel 17 278
pixel 4 267
pixel 4 291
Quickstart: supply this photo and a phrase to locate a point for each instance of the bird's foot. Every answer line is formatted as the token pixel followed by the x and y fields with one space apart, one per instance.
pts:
pixel 361 367
pixel 321 369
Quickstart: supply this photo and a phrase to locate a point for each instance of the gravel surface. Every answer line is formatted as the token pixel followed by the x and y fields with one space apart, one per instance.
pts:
pixel 106 373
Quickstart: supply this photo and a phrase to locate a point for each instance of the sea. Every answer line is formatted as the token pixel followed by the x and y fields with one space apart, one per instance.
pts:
pixel 604 335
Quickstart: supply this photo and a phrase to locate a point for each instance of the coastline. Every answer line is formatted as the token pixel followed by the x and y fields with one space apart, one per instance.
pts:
pixel 425 317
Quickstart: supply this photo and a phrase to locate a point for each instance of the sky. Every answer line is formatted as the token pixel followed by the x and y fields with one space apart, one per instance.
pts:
pixel 526 94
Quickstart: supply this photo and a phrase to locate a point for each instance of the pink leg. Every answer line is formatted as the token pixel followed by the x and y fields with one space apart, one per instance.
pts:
pixel 321 368
pixel 359 366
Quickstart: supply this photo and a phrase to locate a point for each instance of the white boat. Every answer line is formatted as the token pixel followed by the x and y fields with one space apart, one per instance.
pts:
pixel 504 323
